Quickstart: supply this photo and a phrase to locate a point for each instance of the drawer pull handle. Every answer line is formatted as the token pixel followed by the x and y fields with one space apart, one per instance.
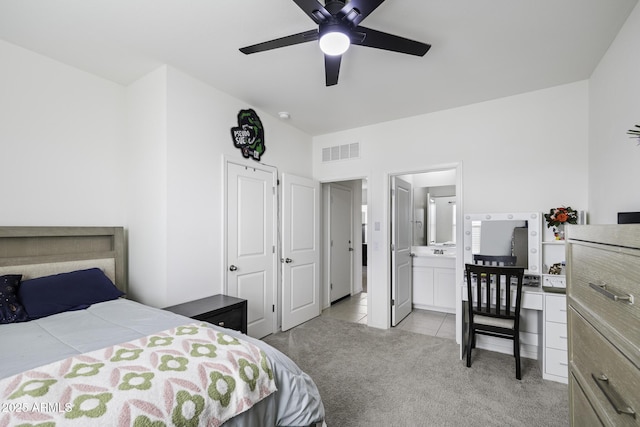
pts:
pixel 607 293
pixel 614 398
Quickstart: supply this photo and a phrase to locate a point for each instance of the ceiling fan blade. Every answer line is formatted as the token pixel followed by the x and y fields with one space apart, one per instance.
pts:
pixel 315 10
pixel 380 40
pixel 304 37
pixel 332 69
pixel 356 10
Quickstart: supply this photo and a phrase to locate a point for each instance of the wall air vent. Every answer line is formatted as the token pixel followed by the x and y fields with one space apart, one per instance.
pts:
pixel 341 152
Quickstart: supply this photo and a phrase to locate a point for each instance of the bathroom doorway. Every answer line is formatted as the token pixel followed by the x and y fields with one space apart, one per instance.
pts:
pixel 434 218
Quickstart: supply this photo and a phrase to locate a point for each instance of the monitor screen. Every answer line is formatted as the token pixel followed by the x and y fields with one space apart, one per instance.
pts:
pixel 628 217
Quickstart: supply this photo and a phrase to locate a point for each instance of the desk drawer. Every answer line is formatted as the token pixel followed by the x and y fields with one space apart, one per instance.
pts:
pixel 556 362
pixel 591 354
pixel 555 335
pixel 593 265
pixel 555 309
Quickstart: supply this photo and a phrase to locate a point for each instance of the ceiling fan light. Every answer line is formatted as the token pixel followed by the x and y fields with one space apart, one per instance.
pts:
pixel 334 43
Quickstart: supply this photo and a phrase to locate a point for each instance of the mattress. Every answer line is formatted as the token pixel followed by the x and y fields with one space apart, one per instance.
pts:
pixel 30 345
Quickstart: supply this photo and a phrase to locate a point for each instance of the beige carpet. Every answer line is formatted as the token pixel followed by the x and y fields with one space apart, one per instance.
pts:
pixel 370 377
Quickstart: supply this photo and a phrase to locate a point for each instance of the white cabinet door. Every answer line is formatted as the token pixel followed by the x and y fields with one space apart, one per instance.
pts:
pixel 423 286
pixel 444 287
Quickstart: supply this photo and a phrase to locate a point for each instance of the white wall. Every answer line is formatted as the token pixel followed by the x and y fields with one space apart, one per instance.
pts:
pixel 614 158
pixel 146 189
pixel 183 238
pixel 518 154
pixel 80 150
pixel 62 134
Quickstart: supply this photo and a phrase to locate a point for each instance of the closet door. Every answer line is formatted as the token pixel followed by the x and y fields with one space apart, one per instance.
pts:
pixel 251 250
pixel 300 250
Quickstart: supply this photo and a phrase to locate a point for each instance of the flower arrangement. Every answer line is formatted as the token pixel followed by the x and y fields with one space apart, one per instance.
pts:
pixel 562 215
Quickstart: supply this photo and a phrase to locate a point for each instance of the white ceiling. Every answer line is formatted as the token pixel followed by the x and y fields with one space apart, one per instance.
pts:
pixel 481 50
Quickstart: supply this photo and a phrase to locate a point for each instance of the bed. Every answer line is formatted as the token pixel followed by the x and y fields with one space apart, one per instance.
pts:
pixel 75 351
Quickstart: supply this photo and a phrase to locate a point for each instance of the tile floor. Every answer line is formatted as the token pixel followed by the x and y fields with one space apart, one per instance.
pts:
pixel 354 309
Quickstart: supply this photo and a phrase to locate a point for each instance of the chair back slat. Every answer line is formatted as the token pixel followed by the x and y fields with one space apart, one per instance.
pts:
pixel 501 260
pixel 479 292
pixel 499 279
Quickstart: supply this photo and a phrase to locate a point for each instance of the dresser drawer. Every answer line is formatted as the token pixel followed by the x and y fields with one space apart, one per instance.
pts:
pixel 592 357
pixel 555 309
pixel 582 413
pixel 555 335
pixel 592 265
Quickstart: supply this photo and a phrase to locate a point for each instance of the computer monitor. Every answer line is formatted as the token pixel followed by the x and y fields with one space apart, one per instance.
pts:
pixel 628 217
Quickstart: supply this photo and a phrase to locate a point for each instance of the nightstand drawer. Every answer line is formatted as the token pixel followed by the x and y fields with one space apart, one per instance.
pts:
pixel 231 319
pixel 220 310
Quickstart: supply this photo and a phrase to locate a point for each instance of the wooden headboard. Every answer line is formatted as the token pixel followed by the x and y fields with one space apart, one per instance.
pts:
pixel 41 251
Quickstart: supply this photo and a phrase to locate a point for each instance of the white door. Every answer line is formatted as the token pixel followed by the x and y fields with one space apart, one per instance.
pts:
pixel 251 253
pixel 300 250
pixel 341 241
pixel 401 238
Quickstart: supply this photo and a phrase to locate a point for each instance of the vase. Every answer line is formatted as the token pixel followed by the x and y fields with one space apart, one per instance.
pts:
pixel 558 232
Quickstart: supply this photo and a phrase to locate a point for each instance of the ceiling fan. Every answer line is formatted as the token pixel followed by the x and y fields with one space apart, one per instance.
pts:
pixel 338 27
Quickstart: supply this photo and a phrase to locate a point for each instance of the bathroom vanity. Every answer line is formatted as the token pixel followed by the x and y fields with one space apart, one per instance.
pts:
pixel 434 278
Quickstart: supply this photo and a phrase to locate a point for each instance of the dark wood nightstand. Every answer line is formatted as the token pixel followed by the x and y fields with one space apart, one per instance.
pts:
pixel 222 310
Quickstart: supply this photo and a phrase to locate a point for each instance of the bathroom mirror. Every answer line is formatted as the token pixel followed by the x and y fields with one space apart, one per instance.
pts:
pixel 504 234
pixel 434 215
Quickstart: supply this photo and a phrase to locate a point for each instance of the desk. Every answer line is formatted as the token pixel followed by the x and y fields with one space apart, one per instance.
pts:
pixel 543 331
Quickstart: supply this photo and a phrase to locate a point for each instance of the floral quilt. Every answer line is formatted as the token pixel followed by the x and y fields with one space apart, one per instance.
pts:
pixel 191 375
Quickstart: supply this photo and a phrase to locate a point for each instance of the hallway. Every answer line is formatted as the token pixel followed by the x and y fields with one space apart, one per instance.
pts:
pixel 354 309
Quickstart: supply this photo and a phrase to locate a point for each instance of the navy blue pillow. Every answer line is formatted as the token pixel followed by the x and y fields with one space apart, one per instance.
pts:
pixel 77 290
pixel 11 310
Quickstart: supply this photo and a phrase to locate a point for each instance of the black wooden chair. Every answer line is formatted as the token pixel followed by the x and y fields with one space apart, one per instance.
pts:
pixel 491 308
pixel 506 260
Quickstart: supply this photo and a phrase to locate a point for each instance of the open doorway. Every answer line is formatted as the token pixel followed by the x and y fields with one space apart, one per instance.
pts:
pixel 429 231
pixel 344 237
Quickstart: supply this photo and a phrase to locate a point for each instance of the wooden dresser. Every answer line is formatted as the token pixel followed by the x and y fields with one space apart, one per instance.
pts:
pixel 603 297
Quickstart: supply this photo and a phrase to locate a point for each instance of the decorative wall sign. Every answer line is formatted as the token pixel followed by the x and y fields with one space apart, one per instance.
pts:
pixel 248 136
pixel 635 133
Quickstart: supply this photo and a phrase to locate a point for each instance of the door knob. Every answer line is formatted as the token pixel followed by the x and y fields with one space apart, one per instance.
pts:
pixel 232 267
pixel 288 260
